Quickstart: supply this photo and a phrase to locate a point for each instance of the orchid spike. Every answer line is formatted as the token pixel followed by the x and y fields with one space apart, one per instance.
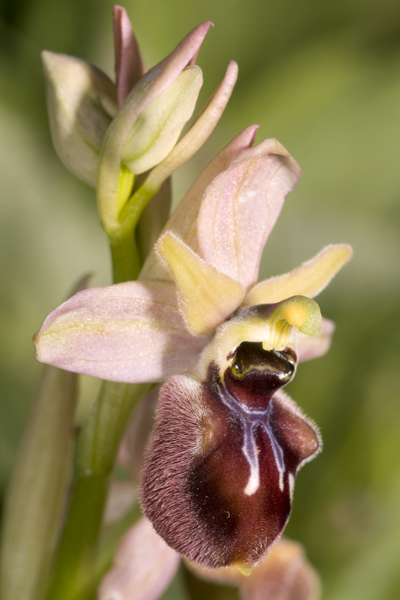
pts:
pixel 218 470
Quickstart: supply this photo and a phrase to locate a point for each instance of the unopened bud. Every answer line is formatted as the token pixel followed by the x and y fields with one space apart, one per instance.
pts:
pixel 159 125
pixel 81 102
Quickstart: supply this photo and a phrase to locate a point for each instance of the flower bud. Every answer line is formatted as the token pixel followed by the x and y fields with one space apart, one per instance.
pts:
pixel 81 102
pixel 144 150
pixel 159 125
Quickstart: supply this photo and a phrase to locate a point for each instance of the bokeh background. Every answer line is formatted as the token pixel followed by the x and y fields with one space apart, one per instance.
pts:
pixel 322 77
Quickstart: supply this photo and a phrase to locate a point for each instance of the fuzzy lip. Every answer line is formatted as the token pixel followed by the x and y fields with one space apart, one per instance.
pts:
pixel 219 476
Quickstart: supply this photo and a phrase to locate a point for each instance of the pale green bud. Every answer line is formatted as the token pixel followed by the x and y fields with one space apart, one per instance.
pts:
pixel 81 102
pixel 159 125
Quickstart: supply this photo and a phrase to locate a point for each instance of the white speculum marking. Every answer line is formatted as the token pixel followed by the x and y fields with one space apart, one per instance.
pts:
pixel 250 418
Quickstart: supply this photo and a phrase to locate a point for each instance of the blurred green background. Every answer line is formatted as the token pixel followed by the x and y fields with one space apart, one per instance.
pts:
pixel 324 78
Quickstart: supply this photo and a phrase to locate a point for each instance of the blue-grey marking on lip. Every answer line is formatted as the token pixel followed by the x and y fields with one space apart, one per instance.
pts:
pixel 250 418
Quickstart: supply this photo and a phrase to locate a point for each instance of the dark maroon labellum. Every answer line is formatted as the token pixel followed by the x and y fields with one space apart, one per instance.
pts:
pixel 219 477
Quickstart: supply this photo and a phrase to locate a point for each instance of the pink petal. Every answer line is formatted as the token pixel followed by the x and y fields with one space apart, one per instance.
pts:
pixel 131 332
pixel 285 574
pixel 309 347
pixel 183 220
pixel 129 66
pixel 240 208
pixel 143 567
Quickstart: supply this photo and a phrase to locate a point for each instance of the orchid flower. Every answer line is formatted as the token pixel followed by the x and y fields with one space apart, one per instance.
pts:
pixel 219 476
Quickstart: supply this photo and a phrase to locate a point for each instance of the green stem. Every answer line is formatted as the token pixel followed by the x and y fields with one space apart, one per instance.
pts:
pixel 108 545
pixel 135 206
pixel 124 251
pixel 95 456
pixel 125 256
pixel 100 438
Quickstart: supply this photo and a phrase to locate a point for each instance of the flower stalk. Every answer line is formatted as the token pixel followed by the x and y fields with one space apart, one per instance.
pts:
pixel 124 255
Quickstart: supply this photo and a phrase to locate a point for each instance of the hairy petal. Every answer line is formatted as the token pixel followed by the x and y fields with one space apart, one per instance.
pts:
pixel 307 280
pixel 285 574
pixel 206 297
pixel 143 566
pixel 129 66
pixel 240 209
pixel 183 220
pixel 131 332
pixel 309 347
